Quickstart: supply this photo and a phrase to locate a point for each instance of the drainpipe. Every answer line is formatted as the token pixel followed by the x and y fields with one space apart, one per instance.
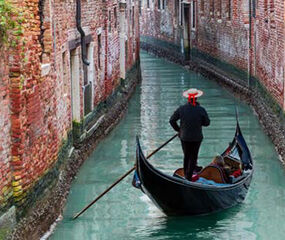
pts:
pixel 82 33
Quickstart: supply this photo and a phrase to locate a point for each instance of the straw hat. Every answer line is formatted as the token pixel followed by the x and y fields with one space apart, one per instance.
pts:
pixel 193 92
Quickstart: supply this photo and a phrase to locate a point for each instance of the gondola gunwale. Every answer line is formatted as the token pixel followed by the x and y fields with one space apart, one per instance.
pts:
pixel 188 183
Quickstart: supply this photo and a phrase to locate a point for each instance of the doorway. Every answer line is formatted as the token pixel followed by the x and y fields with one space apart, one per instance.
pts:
pixel 75 86
pixel 186 30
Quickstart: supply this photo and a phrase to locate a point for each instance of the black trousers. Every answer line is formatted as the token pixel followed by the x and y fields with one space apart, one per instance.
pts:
pixel 190 150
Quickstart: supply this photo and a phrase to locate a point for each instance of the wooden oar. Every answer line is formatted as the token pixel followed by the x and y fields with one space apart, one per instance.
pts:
pixel 120 179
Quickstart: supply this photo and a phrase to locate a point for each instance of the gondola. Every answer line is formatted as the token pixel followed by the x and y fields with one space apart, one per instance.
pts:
pixel 175 195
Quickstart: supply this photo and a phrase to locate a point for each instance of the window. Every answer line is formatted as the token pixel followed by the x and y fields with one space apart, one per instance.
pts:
pixel 133 19
pixel 163 4
pixel 115 17
pixel 147 3
pixel 212 8
pixel 126 49
pixel 110 21
pixel 202 6
pixel 99 51
pixel 87 90
pixel 272 14
pixel 158 4
pixel 180 13
pixel 193 15
pixel 176 8
pixel 65 71
pixel 219 12
pixel 254 8
pixel 229 9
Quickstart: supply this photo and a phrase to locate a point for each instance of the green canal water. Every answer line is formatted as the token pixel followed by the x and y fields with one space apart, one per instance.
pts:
pixel 125 213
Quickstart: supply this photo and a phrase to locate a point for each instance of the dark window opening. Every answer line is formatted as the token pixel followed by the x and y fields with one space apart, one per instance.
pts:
pixel 126 49
pixel 110 21
pixel 115 17
pixel 87 86
pixel 133 19
pixel 181 14
pixel 229 9
pixel 194 14
pixel 99 51
pixel 163 4
pixel 254 8
pixel 212 8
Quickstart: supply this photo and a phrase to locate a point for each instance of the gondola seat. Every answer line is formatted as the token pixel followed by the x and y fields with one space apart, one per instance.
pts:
pixel 214 173
pixel 210 172
pixel 180 173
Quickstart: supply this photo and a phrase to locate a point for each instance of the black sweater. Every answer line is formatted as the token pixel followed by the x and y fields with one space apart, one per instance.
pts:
pixel 192 118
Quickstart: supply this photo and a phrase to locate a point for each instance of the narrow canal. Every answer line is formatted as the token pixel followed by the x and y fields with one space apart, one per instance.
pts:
pixel 125 213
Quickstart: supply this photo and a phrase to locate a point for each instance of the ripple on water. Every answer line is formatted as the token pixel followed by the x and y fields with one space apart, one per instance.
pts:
pixel 125 213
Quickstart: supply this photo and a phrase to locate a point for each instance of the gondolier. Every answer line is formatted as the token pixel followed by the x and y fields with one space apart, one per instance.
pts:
pixel 192 117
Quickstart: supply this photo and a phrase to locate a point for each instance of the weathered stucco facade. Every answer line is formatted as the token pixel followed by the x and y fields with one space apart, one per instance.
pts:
pixel 244 38
pixel 52 90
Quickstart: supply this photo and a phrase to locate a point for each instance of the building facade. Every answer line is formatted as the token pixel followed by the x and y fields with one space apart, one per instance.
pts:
pixel 70 58
pixel 243 38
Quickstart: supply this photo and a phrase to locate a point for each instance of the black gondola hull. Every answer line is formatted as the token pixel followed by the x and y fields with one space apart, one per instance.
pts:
pixel 181 198
pixel 177 196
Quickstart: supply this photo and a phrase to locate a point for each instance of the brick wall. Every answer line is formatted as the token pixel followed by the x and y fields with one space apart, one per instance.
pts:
pixel 224 33
pixel 226 37
pixel 5 125
pixel 270 47
pixel 161 23
pixel 46 90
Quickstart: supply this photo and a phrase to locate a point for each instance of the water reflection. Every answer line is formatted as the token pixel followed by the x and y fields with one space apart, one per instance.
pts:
pixel 126 213
pixel 196 227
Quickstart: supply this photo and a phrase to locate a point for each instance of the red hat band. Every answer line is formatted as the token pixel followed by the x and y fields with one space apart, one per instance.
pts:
pixel 192 97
